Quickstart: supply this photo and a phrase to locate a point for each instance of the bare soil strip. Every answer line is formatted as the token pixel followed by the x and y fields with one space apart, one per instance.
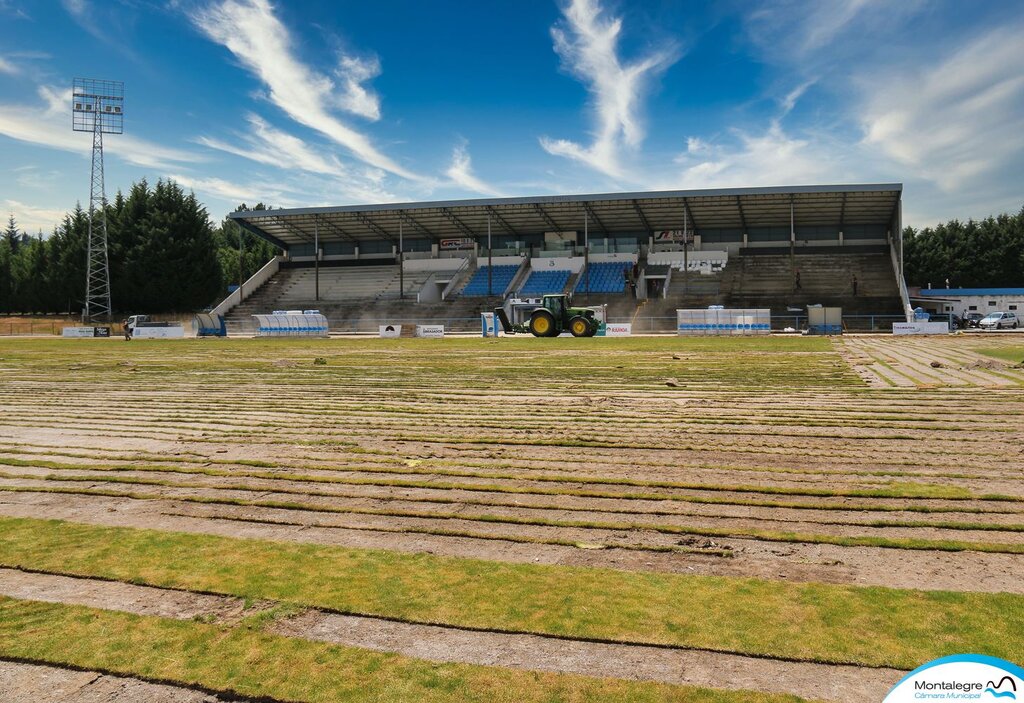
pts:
pixel 38 683
pixel 447 644
pixel 864 566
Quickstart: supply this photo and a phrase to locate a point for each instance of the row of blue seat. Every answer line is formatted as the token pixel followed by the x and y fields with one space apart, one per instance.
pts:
pixel 501 277
pixel 605 277
pixel 541 282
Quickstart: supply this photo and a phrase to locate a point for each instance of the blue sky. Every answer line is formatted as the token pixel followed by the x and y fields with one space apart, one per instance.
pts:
pixel 338 102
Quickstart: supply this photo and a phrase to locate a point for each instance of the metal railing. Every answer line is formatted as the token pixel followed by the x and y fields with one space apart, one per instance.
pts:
pixel 36 327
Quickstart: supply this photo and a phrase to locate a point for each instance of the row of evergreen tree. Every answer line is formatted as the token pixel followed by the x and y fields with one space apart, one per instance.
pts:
pixel 165 256
pixel 973 254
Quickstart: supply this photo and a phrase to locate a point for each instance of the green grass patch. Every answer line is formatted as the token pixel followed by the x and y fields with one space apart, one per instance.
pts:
pixel 817 622
pixel 248 661
pixel 1011 354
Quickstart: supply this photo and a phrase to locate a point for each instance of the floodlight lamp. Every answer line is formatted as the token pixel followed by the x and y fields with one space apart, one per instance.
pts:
pixel 97 106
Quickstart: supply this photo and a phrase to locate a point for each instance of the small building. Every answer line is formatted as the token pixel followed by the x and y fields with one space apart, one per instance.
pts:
pixel 964 300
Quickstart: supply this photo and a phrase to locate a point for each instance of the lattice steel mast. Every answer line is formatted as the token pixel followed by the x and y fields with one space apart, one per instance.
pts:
pixel 98 107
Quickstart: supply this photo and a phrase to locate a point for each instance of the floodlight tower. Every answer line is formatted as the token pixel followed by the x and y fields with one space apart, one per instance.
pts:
pixel 98 107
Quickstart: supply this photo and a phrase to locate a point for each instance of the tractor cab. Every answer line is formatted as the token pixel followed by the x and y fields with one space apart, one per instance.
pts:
pixel 557 305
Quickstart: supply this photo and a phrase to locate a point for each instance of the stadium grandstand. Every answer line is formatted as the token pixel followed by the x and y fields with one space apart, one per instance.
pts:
pixel 781 248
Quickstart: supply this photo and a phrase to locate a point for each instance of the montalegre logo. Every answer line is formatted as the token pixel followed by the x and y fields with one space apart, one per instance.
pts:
pixel 962 677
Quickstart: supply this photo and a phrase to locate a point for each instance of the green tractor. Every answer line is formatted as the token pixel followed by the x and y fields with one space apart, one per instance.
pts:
pixel 554 316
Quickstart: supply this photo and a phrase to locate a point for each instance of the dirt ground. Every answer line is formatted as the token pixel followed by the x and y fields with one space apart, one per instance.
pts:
pixel 879 461
pixel 34 683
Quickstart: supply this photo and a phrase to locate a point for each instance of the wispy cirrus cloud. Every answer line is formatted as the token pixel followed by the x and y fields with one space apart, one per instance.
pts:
pixel 955 120
pixel 234 192
pixel 461 172
pixel 7 67
pixel 823 32
pixel 587 42
pixel 269 145
pixel 251 31
pixel 354 72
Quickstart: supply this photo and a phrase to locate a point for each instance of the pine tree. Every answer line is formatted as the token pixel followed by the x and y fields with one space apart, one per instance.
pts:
pixel 11 235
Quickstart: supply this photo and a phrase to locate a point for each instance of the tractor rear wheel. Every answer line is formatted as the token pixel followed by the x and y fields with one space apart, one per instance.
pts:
pixel 542 324
pixel 579 326
pixel 593 328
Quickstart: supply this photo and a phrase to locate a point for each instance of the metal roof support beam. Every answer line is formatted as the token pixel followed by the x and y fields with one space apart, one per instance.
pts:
pixel 593 216
pixel 643 218
pixel 466 231
pixel 374 227
pixel 501 221
pixel 334 229
pixel 547 218
pixel 293 229
pixel 743 219
pixel 842 215
pixel 417 226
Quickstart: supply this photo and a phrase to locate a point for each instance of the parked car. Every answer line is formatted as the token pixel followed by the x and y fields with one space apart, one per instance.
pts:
pixel 973 318
pixel 954 320
pixel 999 320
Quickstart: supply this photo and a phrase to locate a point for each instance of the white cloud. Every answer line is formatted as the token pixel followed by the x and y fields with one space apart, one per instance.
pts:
pixel 356 98
pixel 268 145
pixel 769 158
pixel 461 172
pixel 32 177
pixel 251 31
pixel 954 120
pixel 7 67
pixel 49 126
pixel 588 46
pixel 234 192
pixel 31 218
pixel 809 33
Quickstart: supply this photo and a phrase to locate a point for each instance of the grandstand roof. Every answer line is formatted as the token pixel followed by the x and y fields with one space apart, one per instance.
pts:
pixel 607 214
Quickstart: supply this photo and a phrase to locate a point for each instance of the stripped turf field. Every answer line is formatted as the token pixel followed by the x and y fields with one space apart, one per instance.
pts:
pixel 818 514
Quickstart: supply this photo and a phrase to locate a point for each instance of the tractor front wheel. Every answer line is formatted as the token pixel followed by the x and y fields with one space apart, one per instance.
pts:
pixel 542 324
pixel 579 326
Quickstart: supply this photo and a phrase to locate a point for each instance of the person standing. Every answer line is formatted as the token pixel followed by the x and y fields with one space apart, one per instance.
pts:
pixel 127 330
pixel 796 280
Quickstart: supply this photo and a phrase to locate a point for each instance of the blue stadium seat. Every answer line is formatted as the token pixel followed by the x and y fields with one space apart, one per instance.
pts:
pixel 605 277
pixel 501 277
pixel 543 281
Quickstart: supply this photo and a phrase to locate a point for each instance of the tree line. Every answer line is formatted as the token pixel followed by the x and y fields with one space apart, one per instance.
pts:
pixel 986 253
pixel 165 256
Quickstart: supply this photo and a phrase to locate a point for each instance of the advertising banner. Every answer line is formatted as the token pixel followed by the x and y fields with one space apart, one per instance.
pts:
pixel 455 243
pixel 624 329
pixel 176 332
pixel 79 332
pixel 433 331
pixel 920 327
pixel 673 235
pixel 390 331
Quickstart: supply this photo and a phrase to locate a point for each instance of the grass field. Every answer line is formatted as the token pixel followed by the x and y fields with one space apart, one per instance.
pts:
pixel 818 514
